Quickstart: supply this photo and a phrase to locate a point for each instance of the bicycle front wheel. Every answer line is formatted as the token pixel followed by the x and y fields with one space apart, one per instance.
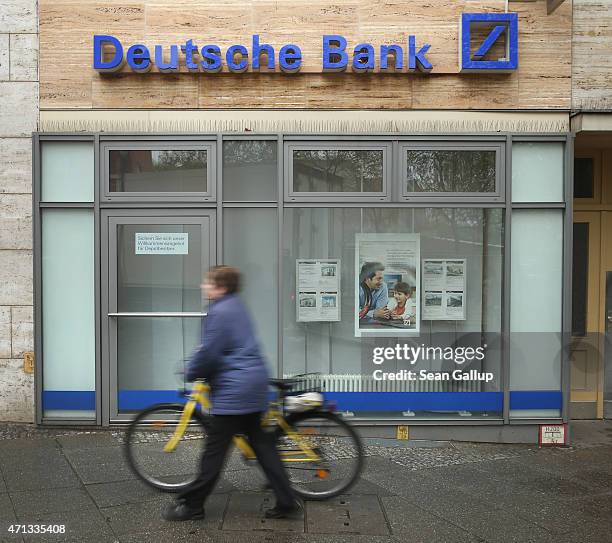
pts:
pixel 148 454
pixel 334 443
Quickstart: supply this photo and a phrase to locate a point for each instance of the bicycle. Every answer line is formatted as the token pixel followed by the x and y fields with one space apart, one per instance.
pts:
pixel 322 453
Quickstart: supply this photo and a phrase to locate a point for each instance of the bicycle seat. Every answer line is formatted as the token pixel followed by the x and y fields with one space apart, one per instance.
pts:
pixel 283 384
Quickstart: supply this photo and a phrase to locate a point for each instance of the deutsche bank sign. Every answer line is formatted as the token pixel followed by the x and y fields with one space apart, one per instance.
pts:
pixel 488 42
pixel 494 27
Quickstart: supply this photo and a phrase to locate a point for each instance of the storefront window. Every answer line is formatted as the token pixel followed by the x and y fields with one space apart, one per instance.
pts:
pixel 250 243
pixel 535 312
pixel 67 171
pixel 250 170
pixel 460 309
pixel 163 170
pixel 338 170
pixel 68 314
pixel 537 172
pixel 450 171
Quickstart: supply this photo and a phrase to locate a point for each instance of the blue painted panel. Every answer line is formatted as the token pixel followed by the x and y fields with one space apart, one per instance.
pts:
pixel 129 400
pixel 384 401
pixel 417 401
pixel 69 400
pixel 536 399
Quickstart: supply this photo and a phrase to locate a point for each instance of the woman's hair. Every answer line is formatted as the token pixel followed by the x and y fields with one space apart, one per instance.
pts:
pixel 225 277
pixel 404 288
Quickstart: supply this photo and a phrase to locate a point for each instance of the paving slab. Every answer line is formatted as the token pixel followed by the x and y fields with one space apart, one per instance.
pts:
pixel 121 493
pixel 41 502
pixel 87 525
pixel 6 535
pixel 100 465
pixel 353 514
pixel 92 440
pixel 3 488
pixel 411 523
pixel 6 508
pixel 245 511
pixel 363 486
pixel 146 517
pixel 25 446
pixel 37 469
pixel 529 483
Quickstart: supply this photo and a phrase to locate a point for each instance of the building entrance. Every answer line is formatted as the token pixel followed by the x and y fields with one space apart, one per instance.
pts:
pixel 592 263
pixel 155 261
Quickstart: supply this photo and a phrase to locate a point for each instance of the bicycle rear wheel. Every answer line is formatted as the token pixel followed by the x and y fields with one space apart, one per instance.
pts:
pixel 334 441
pixel 146 438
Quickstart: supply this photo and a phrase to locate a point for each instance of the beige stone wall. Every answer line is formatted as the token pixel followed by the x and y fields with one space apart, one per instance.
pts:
pixel 19 115
pixel 592 55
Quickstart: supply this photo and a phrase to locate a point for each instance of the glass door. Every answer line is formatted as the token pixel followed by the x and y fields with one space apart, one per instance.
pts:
pixel 154 306
pixel 586 347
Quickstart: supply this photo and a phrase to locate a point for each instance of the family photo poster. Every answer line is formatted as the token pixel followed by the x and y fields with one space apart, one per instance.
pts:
pixel 387 284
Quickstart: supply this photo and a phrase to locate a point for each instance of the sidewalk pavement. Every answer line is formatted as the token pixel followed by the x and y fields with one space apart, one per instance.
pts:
pixel 410 491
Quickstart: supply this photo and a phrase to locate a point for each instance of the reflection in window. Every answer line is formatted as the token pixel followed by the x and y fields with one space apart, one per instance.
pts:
pixel 341 170
pixel 343 360
pixel 250 170
pixel 142 170
pixel 450 171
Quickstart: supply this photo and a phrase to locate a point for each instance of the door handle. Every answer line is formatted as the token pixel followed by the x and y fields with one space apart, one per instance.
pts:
pixel 159 314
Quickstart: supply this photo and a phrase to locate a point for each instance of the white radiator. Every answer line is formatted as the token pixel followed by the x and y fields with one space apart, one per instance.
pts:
pixel 367 383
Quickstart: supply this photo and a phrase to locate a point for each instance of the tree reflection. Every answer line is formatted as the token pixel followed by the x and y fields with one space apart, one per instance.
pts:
pixel 337 171
pixel 450 171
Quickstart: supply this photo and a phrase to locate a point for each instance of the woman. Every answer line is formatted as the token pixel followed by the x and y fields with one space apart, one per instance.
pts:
pixel 230 359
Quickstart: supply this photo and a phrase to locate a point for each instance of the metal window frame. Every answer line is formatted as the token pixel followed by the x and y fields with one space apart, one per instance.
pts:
pixel 166 144
pixel 108 218
pixel 174 206
pixel 497 195
pixel 384 146
pixel 38 207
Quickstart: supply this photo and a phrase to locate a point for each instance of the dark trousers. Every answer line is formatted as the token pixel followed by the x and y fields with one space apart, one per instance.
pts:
pixel 220 433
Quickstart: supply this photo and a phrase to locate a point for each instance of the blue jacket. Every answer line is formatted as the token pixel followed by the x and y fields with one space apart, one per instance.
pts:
pixel 230 360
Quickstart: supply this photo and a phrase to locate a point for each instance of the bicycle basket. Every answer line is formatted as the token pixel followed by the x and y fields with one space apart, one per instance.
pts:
pixel 303 402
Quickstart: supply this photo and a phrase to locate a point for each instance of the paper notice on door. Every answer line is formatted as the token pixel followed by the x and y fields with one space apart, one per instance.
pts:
pixel 162 243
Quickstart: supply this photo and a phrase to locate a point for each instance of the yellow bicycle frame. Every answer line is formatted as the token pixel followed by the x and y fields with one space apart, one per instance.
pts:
pixel 199 395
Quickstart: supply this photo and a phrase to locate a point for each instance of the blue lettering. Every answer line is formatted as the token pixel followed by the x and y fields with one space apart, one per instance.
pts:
pixel 234 66
pixel 212 58
pixel 363 58
pixel 139 58
pixel 189 48
pixel 335 58
pixel 290 58
pixel 258 50
pixel 418 59
pixel 166 67
pixel 110 65
pixel 398 54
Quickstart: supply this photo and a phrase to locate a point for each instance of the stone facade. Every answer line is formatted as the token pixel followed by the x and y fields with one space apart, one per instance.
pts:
pixel 19 114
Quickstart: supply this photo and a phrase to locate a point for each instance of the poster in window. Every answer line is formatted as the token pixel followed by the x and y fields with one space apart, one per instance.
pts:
pixel 318 290
pixel 387 284
pixel 444 289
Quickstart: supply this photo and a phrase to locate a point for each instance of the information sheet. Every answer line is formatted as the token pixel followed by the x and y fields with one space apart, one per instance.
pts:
pixel 161 243
pixel 318 290
pixel 444 289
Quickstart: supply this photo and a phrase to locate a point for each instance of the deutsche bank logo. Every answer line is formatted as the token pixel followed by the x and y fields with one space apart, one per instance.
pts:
pixel 481 34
